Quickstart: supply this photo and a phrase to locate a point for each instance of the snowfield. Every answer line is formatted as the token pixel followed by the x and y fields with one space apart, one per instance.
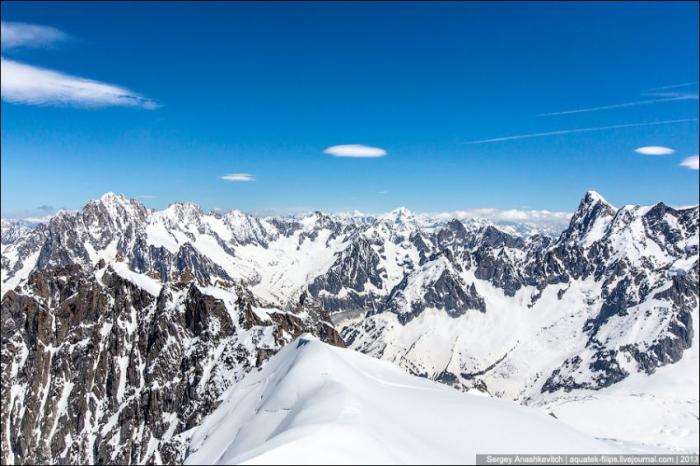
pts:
pixel 317 404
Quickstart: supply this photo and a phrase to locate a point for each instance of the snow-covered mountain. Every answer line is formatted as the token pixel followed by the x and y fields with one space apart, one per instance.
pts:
pixel 615 296
pixel 123 326
pixel 317 404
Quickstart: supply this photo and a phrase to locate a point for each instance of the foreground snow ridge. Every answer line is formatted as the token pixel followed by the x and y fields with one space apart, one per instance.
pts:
pixel 318 404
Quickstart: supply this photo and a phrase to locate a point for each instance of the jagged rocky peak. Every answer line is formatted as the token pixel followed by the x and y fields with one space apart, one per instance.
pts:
pixel 319 219
pixel 594 197
pixel 590 219
pixel 453 233
pixel 235 216
pixel 494 237
pixel 247 228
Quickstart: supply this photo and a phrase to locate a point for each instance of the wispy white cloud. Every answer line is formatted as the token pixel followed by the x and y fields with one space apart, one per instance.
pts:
pixel 525 221
pixel 28 84
pixel 383 192
pixel 654 150
pixel 355 150
pixel 692 162
pixel 509 215
pixel 580 130
pixel 32 217
pixel 292 211
pixel 16 35
pixel 238 177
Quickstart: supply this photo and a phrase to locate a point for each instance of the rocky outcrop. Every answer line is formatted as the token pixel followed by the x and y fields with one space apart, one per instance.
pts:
pixel 97 370
pixel 437 285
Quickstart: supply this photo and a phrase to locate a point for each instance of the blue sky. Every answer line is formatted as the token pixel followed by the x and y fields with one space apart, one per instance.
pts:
pixel 182 94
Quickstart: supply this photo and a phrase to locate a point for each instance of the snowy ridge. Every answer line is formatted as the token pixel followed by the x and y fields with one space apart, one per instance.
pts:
pixel 317 404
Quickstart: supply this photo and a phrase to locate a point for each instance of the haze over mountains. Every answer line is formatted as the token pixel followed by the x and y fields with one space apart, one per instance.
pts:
pixel 124 328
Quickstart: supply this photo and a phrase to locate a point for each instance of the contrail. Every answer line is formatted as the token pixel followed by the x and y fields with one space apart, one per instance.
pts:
pixel 623 105
pixel 580 130
pixel 673 86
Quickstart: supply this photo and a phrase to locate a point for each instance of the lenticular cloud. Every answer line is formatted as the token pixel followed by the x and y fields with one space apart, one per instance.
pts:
pixel 355 150
pixel 238 177
pixel 654 150
pixel 692 162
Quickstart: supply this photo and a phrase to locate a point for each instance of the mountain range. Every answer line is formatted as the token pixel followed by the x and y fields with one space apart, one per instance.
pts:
pixel 124 328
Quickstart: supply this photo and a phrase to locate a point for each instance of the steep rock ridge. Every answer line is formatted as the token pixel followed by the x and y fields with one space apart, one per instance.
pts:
pixel 590 220
pixel 615 294
pixel 647 260
pixel 96 369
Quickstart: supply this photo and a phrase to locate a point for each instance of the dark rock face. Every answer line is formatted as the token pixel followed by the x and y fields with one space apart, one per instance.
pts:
pixel 675 334
pixel 354 270
pixel 493 265
pixel 492 237
pixel 453 234
pixel 447 292
pixel 100 371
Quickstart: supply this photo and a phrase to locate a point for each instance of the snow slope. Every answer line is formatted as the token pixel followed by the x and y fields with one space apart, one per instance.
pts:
pixel 658 410
pixel 313 403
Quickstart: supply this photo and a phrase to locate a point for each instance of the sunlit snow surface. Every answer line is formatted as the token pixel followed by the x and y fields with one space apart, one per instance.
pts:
pixel 314 403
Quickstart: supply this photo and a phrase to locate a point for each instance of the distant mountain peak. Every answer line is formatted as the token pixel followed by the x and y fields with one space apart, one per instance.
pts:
pixel 399 216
